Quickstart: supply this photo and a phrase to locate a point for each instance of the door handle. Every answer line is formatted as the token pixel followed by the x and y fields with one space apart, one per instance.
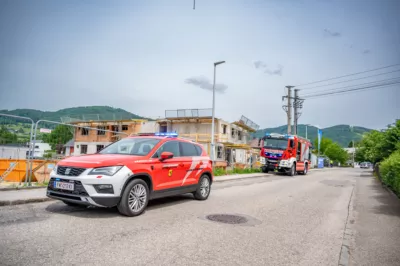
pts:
pixel 181 165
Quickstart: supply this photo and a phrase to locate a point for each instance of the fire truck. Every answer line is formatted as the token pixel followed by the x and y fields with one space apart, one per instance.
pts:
pixel 288 154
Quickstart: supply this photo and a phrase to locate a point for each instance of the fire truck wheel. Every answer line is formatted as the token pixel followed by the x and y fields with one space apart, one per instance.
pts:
pixel 305 169
pixel 264 169
pixel 292 171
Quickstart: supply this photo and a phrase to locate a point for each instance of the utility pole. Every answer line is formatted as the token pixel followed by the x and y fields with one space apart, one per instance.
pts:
pixel 297 105
pixel 295 109
pixel 289 109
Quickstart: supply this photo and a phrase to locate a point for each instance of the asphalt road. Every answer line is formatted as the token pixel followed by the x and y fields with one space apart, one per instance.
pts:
pixel 291 221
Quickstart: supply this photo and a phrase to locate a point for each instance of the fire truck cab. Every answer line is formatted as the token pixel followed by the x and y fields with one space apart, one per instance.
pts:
pixel 288 154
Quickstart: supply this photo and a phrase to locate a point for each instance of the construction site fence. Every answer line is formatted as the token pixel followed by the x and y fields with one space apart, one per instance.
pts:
pixel 41 170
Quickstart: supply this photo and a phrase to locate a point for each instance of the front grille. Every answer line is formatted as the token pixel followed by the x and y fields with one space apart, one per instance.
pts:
pixel 73 171
pixel 79 190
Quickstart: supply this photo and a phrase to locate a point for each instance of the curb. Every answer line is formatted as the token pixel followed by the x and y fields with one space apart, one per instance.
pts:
pixel 20 188
pixel 240 178
pixel 25 201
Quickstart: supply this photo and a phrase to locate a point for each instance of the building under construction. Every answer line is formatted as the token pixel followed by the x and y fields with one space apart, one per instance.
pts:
pixel 231 139
pixel 107 130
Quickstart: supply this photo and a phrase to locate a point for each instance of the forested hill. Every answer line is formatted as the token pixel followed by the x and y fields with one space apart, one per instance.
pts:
pixel 105 112
pixel 342 134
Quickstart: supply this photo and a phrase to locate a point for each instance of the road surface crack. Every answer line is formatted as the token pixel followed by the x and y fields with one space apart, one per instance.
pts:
pixel 344 256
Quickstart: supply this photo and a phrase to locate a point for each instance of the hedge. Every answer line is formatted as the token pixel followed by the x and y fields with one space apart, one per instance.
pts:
pixel 390 171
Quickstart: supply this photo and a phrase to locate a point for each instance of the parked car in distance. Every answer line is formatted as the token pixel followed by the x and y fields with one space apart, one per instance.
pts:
pixel 365 165
pixel 132 171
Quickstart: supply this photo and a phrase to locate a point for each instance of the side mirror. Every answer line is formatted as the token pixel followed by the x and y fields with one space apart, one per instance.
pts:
pixel 166 155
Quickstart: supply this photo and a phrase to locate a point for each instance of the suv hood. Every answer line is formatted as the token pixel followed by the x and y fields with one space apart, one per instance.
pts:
pixel 98 160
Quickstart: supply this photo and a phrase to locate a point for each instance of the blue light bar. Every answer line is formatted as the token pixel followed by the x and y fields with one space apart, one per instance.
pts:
pixel 166 134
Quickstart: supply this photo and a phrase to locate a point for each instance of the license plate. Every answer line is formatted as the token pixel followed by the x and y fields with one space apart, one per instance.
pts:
pixel 63 185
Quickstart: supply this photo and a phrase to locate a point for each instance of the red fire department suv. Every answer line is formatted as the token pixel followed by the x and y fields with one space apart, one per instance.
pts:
pixel 132 171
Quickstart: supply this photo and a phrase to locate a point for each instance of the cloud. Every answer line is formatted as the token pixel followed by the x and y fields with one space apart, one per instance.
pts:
pixel 259 64
pixel 263 66
pixel 205 84
pixel 366 51
pixel 330 33
pixel 277 71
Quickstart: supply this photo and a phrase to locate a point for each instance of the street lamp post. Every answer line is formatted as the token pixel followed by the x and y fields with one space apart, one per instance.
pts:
pixel 213 114
pixel 306 132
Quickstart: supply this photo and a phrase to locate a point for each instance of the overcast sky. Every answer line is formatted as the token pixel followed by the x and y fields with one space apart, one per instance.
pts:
pixel 151 56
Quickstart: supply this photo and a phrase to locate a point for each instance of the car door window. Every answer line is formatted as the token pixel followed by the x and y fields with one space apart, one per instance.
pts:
pixel 199 150
pixel 188 149
pixel 170 146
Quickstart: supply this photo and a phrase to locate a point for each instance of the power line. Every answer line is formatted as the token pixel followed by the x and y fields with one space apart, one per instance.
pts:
pixel 369 89
pixel 347 87
pixel 350 80
pixel 347 75
pixel 351 90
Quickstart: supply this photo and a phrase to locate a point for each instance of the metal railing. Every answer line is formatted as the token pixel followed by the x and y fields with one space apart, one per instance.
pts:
pixel 249 123
pixel 188 113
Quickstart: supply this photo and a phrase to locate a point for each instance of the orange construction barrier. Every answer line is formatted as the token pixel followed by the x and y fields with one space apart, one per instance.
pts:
pixel 41 170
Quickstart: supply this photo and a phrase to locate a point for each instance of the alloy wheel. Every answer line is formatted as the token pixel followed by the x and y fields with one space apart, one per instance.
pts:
pixel 137 197
pixel 204 187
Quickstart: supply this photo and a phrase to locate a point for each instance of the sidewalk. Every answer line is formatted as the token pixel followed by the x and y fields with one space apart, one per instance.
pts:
pixel 22 196
pixel 375 224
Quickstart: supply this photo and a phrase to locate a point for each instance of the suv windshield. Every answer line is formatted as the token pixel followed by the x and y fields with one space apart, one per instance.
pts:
pixel 280 144
pixel 131 146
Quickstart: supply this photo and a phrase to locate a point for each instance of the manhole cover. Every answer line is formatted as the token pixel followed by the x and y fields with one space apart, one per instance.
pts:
pixel 227 218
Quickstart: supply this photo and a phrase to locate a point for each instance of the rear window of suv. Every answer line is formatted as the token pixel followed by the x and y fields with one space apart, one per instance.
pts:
pixel 189 149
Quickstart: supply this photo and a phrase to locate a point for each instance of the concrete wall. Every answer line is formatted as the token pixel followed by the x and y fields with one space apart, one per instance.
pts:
pixel 149 127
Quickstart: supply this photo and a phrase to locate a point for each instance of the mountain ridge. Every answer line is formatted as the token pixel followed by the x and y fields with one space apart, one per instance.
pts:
pixel 73 111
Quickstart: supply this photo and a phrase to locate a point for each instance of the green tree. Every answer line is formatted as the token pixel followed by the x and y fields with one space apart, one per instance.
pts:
pixel 336 153
pixel 325 143
pixel 332 150
pixel 6 136
pixel 60 135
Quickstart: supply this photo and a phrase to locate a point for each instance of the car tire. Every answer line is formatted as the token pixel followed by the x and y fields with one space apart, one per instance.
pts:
pixel 135 198
pixel 292 171
pixel 203 188
pixel 72 204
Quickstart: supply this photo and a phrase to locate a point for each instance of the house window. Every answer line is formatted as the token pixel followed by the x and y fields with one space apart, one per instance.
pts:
pixel 233 133
pixel 99 147
pixel 115 129
pixel 84 131
pixel 83 149
pixel 100 131
pixel 220 152
pixel 239 135
pixel 124 127
pixel 224 129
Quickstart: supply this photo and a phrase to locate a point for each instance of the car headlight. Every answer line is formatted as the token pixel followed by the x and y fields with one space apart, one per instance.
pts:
pixel 110 170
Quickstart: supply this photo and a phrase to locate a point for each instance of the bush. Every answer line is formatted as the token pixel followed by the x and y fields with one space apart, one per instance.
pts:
pixel 390 172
